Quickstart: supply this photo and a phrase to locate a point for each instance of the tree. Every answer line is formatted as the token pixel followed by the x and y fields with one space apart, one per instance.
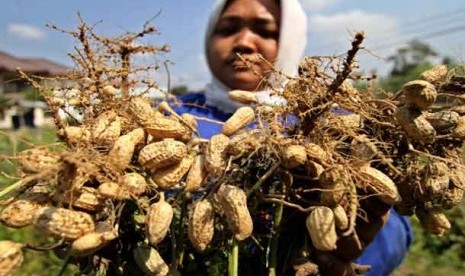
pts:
pixel 179 90
pixel 409 63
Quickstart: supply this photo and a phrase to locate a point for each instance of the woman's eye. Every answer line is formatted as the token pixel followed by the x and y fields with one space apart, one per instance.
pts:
pixel 226 30
pixel 266 33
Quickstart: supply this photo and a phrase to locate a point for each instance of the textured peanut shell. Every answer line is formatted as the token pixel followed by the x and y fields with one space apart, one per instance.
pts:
pixel 19 213
pixel 459 131
pixel 381 185
pixel 134 183
pixel 316 153
pixel 86 198
pixel 168 177
pixel 92 242
pixel 158 220
pixel 164 127
pixel 434 181
pixel 113 190
pixel 149 261
pixel 340 218
pixel 240 119
pixel 294 156
pixel 141 111
pixel 433 221
pixel 197 174
pixel 242 96
pixel 214 156
pixel 37 160
pixel 190 120
pixel 11 257
pixel 122 151
pixel 443 120
pixel 64 223
pixel 201 224
pixel 162 154
pixel 321 226
pixel 233 202
pixel 245 142
pixel 77 135
pixel 106 129
pixel 435 74
pixel 415 125
pixel 420 94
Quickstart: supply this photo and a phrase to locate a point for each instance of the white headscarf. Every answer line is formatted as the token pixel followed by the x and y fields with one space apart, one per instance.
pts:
pixel 292 42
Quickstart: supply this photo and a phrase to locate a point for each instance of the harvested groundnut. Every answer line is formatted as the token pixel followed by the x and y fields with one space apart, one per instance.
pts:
pixel 240 119
pixel 340 217
pixel 435 74
pixel 149 261
pixel 164 127
pixel 233 202
pixel 415 125
pixel 214 157
pixel 451 198
pixel 158 220
pixel 113 190
pixel 77 135
pixel 334 182
pixel 242 96
pixel 316 153
pixel 419 93
pixel 107 128
pixel 380 184
pixel 19 213
pixel 86 198
pixel 190 120
pixel 140 109
pixel 162 154
pixel 109 91
pixel 362 148
pixel 245 142
pixel 37 160
pixel 459 131
pixel 460 109
pixel 168 177
pixel 294 156
pixel 134 183
pixel 122 151
pixel 11 257
pixel 433 221
pixel 350 121
pixel 434 181
pixel 314 169
pixel 92 242
pixel 64 223
pixel 201 224
pixel 443 120
pixel 321 226
pixel 197 174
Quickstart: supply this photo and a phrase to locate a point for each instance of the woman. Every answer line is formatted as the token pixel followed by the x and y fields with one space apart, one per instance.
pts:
pixel 276 30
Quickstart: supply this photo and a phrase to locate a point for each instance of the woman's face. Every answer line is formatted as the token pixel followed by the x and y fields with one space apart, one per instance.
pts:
pixel 248 28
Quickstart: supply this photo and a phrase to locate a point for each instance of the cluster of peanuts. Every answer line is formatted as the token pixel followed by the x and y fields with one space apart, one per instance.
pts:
pixel 135 153
pixel 72 196
pixel 433 121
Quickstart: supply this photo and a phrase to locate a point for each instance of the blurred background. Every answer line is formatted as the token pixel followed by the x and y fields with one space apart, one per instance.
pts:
pixel 403 38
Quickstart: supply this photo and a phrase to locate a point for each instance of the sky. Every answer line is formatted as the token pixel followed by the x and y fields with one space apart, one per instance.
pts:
pixel 182 23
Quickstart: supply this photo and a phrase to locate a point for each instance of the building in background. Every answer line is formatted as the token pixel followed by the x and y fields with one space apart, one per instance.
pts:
pixel 17 107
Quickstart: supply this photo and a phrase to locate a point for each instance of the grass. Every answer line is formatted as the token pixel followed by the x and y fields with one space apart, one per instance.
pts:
pixel 35 263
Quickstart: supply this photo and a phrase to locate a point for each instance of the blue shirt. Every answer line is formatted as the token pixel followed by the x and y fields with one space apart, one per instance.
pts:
pixel 385 253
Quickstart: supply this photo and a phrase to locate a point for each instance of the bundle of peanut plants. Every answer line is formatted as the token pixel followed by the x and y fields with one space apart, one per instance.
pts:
pixel 134 189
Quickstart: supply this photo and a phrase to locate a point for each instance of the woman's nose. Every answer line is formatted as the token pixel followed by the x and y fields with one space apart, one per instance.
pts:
pixel 245 42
